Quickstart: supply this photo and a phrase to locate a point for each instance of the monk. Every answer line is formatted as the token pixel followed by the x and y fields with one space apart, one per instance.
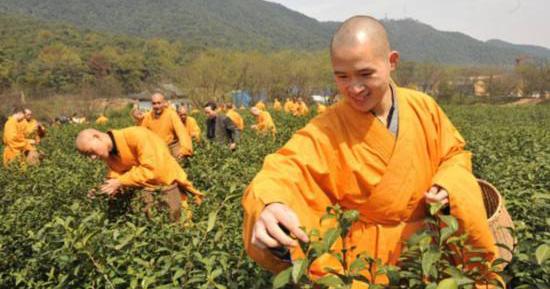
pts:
pixel 235 117
pixel 190 123
pixel 260 105
pixel 301 108
pixel 17 147
pixel 138 158
pixel 220 128
pixel 166 123
pixel 277 105
pixel 383 150
pixel 264 122
pixel 290 106
pixel 102 119
pixel 35 130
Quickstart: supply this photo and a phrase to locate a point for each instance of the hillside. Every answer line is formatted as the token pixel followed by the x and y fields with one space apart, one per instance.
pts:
pixel 257 24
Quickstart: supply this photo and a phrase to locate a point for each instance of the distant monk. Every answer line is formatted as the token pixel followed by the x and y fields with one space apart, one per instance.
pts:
pixel 383 150
pixel 235 116
pixel 166 123
pixel 102 119
pixel 264 122
pixel 301 108
pixel 138 158
pixel 220 128
pixel 277 105
pixel 35 130
pixel 260 105
pixel 17 147
pixel 190 123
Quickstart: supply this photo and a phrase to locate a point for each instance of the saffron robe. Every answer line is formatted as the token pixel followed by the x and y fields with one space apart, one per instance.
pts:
pixel 260 105
pixel 144 160
pixel 290 106
pixel 170 128
pixel 15 141
pixel 277 105
pixel 350 158
pixel 264 122
pixel 193 128
pixel 236 118
pixel 321 108
pixel 101 120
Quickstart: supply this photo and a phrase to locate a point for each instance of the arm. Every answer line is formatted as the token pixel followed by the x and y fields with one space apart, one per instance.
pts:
pixel 300 181
pixel 182 134
pixel 454 174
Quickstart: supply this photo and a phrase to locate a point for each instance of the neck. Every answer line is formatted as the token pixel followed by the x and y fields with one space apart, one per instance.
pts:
pixel 382 109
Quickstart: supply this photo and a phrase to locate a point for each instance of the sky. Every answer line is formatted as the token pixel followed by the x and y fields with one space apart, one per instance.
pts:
pixel 515 21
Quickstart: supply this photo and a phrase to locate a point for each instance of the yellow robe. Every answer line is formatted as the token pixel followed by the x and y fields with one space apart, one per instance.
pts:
pixel 31 130
pixel 170 128
pixel 277 105
pixel 15 141
pixel 101 120
pixel 260 105
pixel 264 122
pixel 301 109
pixel 347 157
pixel 236 118
pixel 289 106
pixel 143 160
pixel 193 128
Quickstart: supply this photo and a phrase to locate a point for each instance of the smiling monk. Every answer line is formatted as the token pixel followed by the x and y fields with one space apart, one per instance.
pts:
pixel 383 150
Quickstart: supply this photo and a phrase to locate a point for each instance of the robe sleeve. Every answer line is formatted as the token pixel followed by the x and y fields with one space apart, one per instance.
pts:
pixel 184 139
pixel 142 174
pixel 454 174
pixel 294 178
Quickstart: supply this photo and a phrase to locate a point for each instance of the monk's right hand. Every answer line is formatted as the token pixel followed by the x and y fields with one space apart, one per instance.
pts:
pixel 267 232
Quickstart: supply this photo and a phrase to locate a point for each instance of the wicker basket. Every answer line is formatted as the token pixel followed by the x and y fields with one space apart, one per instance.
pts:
pixel 500 221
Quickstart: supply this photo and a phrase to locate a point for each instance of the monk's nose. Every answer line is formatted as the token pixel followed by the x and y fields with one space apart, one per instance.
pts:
pixel 356 88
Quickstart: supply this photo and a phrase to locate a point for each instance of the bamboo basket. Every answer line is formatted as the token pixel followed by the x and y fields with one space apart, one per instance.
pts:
pixel 499 219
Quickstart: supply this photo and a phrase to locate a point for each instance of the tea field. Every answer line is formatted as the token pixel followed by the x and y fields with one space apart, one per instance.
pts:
pixel 53 236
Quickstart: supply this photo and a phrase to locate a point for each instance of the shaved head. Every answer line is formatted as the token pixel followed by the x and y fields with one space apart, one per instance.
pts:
pixel 158 103
pixel 94 143
pixel 254 110
pixel 84 138
pixel 157 97
pixel 361 30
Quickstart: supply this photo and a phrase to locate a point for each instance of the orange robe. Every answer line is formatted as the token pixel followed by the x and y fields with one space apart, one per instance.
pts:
pixel 101 120
pixel 193 128
pixel 264 123
pixel 236 118
pixel 144 160
pixel 260 105
pixel 170 128
pixel 31 130
pixel 289 107
pixel 300 109
pixel 15 141
pixel 348 157
pixel 277 105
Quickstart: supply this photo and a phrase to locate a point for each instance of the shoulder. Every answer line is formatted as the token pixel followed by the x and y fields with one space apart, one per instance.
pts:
pixel 417 100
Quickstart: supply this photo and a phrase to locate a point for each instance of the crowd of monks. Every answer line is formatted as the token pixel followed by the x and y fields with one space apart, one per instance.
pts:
pixel 385 151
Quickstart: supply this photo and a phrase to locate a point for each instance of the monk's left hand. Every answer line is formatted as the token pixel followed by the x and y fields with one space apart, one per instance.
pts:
pixel 437 194
pixel 111 187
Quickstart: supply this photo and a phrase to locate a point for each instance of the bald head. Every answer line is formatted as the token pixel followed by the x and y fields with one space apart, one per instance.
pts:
pixel 361 30
pixel 255 111
pixel 158 103
pixel 94 143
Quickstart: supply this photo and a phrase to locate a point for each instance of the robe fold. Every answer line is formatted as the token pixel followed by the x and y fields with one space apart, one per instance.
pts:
pixel 170 128
pixel 144 160
pixel 350 158
pixel 277 105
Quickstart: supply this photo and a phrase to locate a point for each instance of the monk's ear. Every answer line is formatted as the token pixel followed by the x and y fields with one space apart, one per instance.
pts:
pixel 394 60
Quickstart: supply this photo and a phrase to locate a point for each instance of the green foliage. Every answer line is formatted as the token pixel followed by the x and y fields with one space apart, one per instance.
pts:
pixel 52 236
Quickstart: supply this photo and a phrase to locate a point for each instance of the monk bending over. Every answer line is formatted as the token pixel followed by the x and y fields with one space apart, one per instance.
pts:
pixel 383 150
pixel 138 158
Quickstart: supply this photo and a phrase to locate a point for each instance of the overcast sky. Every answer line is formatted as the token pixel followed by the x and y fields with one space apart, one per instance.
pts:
pixel 516 21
